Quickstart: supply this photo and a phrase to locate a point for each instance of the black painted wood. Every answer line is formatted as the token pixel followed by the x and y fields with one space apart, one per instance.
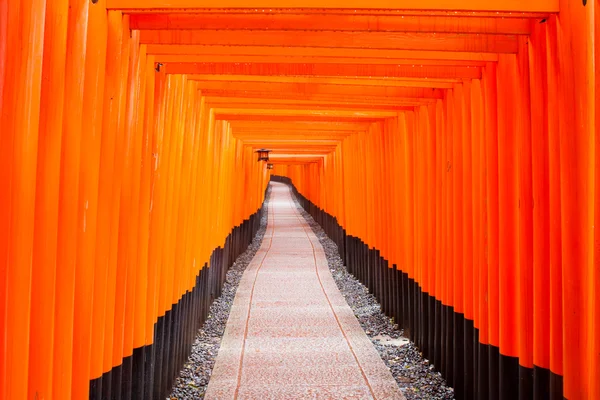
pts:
pixel 151 370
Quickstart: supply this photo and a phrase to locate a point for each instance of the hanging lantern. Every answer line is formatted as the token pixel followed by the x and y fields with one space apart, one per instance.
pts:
pixel 269 166
pixel 263 154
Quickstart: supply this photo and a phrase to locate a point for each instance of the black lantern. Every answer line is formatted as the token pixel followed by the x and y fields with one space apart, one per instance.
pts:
pixel 269 166
pixel 263 154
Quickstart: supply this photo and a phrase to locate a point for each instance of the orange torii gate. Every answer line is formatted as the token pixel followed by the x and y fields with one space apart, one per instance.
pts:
pixel 453 142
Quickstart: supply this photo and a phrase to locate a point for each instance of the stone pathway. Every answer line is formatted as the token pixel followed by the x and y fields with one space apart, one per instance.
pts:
pixel 290 333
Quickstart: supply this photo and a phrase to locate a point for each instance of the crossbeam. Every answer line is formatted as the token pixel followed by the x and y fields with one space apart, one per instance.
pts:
pixel 355 40
pixel 356 90
pixel 344 98
pixel 330 53
pixel 302 103
pixel 339 126
pixel 331 22
pixel 262 59
pixel 305 113
pixel 441 83
pixel 332 70
pixel 341 107
pixel 452 5
pixel 223 115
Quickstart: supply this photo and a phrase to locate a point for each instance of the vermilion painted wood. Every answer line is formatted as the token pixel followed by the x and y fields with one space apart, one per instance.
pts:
pixel 474 172
pixel 525 213
pixel 401 82
pixel 378 40
pixel 5 161
pixel 41 342
pixel 512 5
pixel 293 59
pixel 114 304
pixel 325 98
pixel 342 70
pixel 330 22
pixel 133 133
pixel 538 73
pixel 87 231
pixel 146 284
pixel 23 40
pixel 325 55
pixel 68 206
pixel 576 163
pixel 595 315
pixel 491 138
pixel 106 208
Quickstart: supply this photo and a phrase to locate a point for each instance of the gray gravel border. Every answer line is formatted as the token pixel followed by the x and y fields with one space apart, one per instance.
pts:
pixel 415 375
pixel 193 378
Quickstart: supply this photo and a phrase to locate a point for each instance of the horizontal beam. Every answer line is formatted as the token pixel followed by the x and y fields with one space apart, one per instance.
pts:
pixel 356 40
pixel 290 140
pixel 290 118
pixel 306 113
pixel 346 11
pixel 295 156
pixel 335 98
pixel 452 5
pixel 262 59
pixel 292 134
pixel 357 90
pixel 299 102
pixel 332 70
pixel 340 107
pixel 295 133
pixel 309 140
pixel 292 162
pixel 441 83
pixel 306 126
pixel 320 52
pixel 331 22
pixel 297 150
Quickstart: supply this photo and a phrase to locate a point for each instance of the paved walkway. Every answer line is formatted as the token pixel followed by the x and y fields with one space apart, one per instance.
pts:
pixel 291 334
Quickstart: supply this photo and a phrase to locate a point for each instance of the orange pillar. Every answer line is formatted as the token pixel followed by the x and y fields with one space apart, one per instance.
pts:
pixel 106 207
pixel 91 143
pixel 67 249
pixel 21 91
pixel 48 177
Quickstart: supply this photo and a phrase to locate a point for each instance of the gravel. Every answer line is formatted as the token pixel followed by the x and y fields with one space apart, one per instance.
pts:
pixel 415 375
pixel 193 378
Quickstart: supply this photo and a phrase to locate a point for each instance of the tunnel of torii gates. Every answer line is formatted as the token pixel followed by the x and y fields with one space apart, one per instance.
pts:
pixel 447 146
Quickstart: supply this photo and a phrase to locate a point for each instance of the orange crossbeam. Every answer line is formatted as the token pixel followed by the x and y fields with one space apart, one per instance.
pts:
pixel 347 70
pixel 262 59
pixel 330 53
pixel 454 5
pixel 327 106
pixel 439 83
pixel 331 22
pixel 382 40
pixel 340 126
pixel 346 98
pixel 324 89
pixel 256 101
